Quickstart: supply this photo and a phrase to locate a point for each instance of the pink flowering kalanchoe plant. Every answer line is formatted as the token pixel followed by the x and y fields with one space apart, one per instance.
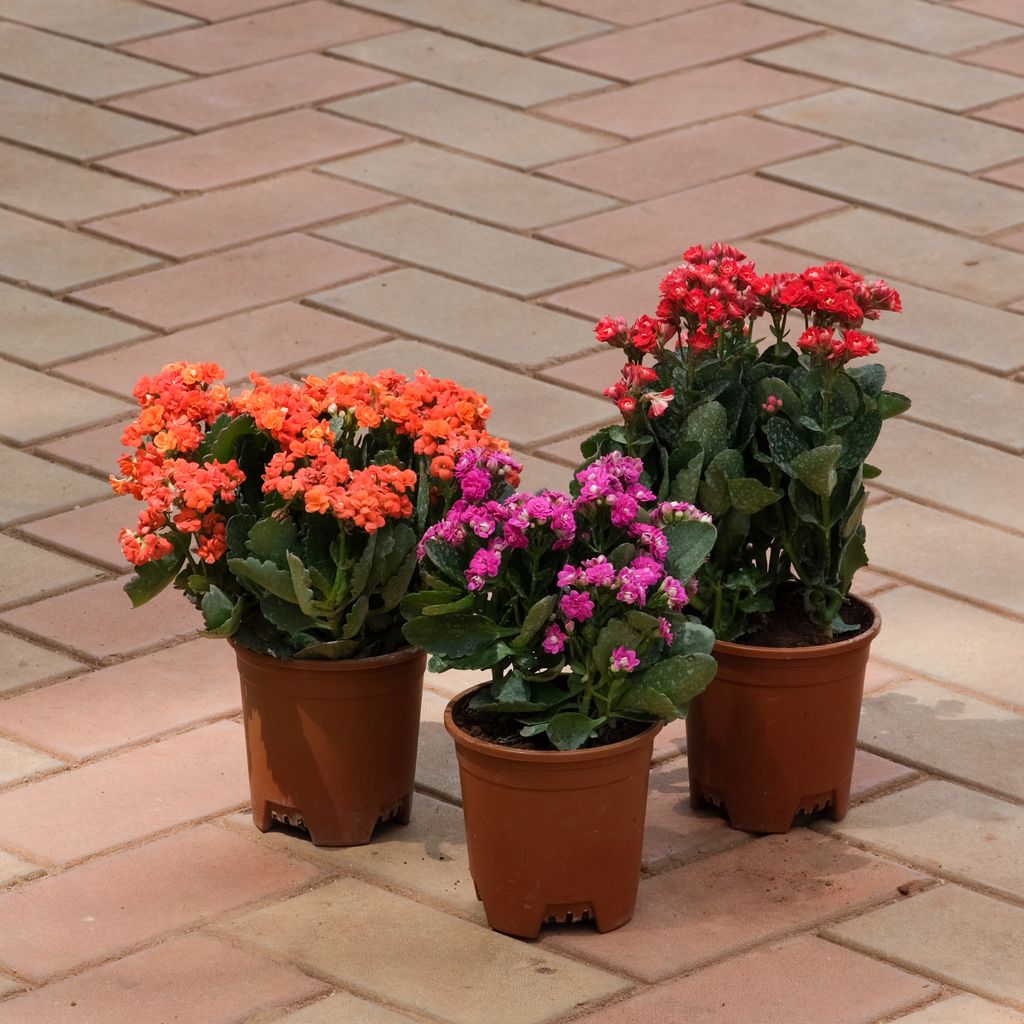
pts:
pixel 577 605
pixel 772 440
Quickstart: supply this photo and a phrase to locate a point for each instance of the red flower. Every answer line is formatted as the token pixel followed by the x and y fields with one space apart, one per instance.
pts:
pixel 644 334
pixel 610 329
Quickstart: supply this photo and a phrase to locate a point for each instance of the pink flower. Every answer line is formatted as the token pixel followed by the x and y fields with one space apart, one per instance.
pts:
pixel 624 659
pixel 659 401
pixel 610 329
pixel 665 628
pixel 554 640
pixel 577 605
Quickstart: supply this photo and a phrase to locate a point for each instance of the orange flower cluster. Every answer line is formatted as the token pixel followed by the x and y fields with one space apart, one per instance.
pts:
pixel 442 419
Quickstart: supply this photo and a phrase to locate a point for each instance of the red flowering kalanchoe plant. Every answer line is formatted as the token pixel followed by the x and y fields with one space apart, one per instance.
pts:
pixel 289 513
pixel 576 604
pixel 771 440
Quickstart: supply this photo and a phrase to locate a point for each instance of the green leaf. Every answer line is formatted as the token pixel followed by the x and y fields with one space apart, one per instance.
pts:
pixel 222 437
pixel 361 570
pixel 892 403
pixel 784 443
pixel 707 425
pixel 332 650
pixel 266 575
pixel 451 636
pixel 219 611
pixel 690 637
pixel 488 657
pixel 151 578
pixel 464 604
pixel 859 438
pixel 685 482
pixel 816 469
pixel 302 585
pixel 714 489
pixel 870 472
pixel 616 634
pixel 416 604
pixel 750 495
pixel 446 560
pixel 535 620
pixel 667 687
pixel 271 539
pixel 870 377
pixel 286 616
pixel 238 527
pixel 356 617
pixel 791 404
pixel 689 543
pixel 395 588
pixel 569 730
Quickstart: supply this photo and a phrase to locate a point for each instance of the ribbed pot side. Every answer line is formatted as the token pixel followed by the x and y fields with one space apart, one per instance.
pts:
pixel 775 733
pixel 331 745
pixel 554 836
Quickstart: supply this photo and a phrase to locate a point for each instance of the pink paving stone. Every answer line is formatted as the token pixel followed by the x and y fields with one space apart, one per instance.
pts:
pixel 72 619
pixel 192 980
pixel 880 674
pixel 90 531
pixel 93 911
pixel 97 448
pixel 872 773
pixel 636 12
pixel 593 372
pixel 1005 10
pixel 568 451
pixel 249 150
pixel 1010 113
pixel 671 741
pixel 230 216
pixel 650 233
pixel 733 900
pixel 125 704
pixel 254 275
pixel 675 833
pixel 251 92
pixel 715 91
pixel 695 37
pixel 220 10
pixel 299 28
pixel 687 157
pixel 1012 174
pixel 1002 57
pixel 127 797
pixel 1015 240
pixel 269 340
pixel 804 980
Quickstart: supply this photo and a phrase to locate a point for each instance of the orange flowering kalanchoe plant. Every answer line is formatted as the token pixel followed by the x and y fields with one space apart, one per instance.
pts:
pixel 289 513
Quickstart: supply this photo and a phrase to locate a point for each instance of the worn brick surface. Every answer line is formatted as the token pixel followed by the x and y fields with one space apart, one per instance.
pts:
pixel 964 1007
pixel 18 762
pixel 26 663
pixel 88 532
pixel 343 1006
pixel 32 572
pixel 101 21
pixel 34 486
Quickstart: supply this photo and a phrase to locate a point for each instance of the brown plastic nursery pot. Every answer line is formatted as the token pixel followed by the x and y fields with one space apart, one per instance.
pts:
pixel 553 836
pixel 776 732
pixel 331 744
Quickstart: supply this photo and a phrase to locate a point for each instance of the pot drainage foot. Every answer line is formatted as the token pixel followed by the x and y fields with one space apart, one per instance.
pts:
pixel 398 813
pixel 813 804
pixel 569 913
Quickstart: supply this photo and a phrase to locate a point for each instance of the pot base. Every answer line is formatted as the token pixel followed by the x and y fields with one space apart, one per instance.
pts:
pixel 524 920
pixel 756 813
pixel 350 829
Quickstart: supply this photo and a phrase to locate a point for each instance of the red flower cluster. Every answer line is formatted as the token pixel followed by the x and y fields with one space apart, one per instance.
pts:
pixel 833 295
pixel 850 345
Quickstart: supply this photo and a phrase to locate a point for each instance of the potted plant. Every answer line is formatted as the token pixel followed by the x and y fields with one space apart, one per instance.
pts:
pixel 576 605
pixel 771 437
pixel 289 515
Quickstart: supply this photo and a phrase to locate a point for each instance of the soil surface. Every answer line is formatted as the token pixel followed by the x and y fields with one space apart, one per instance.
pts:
pixel 504 730
pixel 789 626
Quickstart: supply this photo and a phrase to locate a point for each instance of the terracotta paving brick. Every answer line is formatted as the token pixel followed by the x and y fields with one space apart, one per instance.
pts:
pixel 635 13
pixel 297 28
pixel 101 21
pixel 350 1009
pixel 58 190
pixel 907 129
pixel 872 774
pixel 437 769
pixel 477 189
pixel 1005 10
pixel 758 891
pixel 89 532
pixel 87 914
pixel 628 294
pixel 468 67
pixel 32 572
pixel 13 869
pixel 510 980
pixel 593 372
pixel 463 248
pixel 55 260
pixel 191 980
pixel 65 65
pixel 40 331
pixel 879 675
pixel 18 762
pixel 935 825
pixel 69 619
pixel 542 474
pixel 220 10
pixel 670 742
pixel 250 150
pixel 648 233
pixel 977 480
pixel 268 340
pixel 1012 174
pixel 23 419
pixel 252 92
pixel 982 654
pixel 26 664
pixel 915 23
pixel 97 448
pixel 947 733
pixel 717 90
pixel 675 833
pixel 923 255
pixel 962 1008
pixel 712 34
pixel 882 67
pixel 127 797
pixel 470 124
pixel 33 486
pixel 868 582
pixel 690 156
pixel 127 703
pixel 258 274
pixel 779 984
pixel 510 24
pixel 916 933
pixel 230 216
pixel 944 198
pixel 69 127
pixel 1005 57
pixel 461 316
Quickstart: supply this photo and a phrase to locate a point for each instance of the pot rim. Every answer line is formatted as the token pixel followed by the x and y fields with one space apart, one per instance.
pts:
pixel 540 756
pixel 403 654
pixel 737 650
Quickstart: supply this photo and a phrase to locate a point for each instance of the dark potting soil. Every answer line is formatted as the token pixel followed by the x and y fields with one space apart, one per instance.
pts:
pixel 789 626
pixel 504 730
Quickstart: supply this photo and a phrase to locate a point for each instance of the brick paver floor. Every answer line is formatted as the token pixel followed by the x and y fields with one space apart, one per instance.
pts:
pixel 465 185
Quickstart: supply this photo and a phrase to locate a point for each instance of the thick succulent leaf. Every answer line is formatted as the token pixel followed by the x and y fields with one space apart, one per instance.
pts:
pixel 266 575
pixel 616 634
pixel 416 604
pixel 223 436
pixel 714 489
pixel 708 426
pixel 356 617
pixel 303 585
pixel 689 544
pixel 892 403
pixel 220 613
pixel 859 438
pixel 791 404
pixel 488 657
pixel 870 377
pixel 398 584
pixel 569 730
pixel 784 443
pixel 151 578
pixel 535 620
pixel 361 570
pixel 690 637
pixel 286 616
pixel 749 495
pixel 452 636
pixel 816 469
pixel 649 701
pixel 680 678
pixel 332 650
pixel 686 480
pixel 446 561
pixel 270 540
